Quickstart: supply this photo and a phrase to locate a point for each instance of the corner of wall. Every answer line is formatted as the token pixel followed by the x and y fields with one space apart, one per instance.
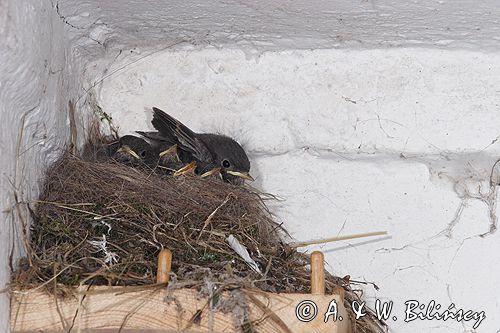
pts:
pixel 39 75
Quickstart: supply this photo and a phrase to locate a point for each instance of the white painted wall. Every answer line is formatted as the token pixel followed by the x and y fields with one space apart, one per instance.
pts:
pixel 362 116
pixel 299 24
pixel 355 141
pixel 37 78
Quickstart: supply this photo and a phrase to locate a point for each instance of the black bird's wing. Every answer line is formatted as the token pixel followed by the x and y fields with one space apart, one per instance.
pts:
pixel 158 139
pixel 170 128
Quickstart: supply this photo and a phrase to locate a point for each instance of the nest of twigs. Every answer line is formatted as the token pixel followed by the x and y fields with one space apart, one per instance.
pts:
pixel 101 222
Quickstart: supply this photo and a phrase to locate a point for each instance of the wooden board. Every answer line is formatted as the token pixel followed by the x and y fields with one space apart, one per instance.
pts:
pixel 128 309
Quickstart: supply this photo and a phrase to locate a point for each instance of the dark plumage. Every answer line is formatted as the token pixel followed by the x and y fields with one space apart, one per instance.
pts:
pixel 134 151
pixel 213 153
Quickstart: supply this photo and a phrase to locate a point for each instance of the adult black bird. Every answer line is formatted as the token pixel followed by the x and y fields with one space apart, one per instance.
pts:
pixel 213 153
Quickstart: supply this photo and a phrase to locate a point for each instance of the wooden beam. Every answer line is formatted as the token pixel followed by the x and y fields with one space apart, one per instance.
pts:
pixel 159 310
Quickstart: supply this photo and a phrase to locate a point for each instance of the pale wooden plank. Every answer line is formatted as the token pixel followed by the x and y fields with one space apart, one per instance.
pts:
pixel 107 309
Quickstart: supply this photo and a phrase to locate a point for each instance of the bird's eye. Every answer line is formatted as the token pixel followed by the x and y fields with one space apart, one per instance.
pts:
pixel 143 153
pixel 226 164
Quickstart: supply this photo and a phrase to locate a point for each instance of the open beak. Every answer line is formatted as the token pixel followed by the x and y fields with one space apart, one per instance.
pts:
pixel 186 169
pixel 126 149
pixel 244 175
pixel 210 172
pixel 170 151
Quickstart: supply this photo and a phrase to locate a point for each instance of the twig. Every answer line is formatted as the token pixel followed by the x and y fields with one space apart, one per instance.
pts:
pixel 209 218
pixel 24 230
pixel 72 126
pixel 336 239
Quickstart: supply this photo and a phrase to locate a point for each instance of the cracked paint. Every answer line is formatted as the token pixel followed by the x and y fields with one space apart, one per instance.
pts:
pixel 345 168
pixel 355 127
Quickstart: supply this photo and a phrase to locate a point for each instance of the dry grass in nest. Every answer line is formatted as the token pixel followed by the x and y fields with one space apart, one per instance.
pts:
pixel 104 223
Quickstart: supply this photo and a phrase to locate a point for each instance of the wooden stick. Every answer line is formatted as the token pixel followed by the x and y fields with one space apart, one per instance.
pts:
pixel 317 273
pixel 164 266
pixel 336 239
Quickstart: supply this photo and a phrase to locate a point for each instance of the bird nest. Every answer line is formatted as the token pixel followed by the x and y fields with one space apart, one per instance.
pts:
pixel 103 223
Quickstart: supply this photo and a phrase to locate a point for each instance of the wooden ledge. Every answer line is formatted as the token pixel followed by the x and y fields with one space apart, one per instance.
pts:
pixel 158 310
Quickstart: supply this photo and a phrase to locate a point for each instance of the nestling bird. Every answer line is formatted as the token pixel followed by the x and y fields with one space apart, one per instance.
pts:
pixel 134 151
pixel 213 153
